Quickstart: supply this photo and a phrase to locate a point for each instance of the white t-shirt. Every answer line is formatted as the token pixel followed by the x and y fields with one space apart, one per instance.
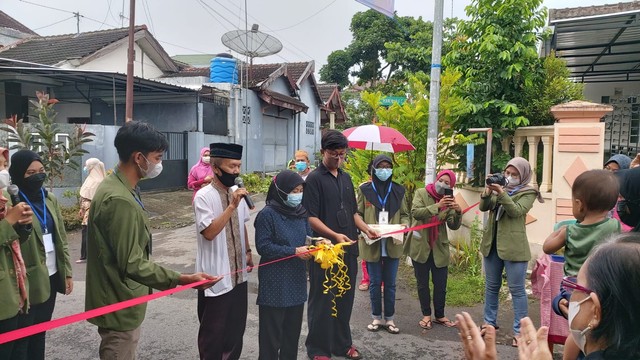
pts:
pixel 212 257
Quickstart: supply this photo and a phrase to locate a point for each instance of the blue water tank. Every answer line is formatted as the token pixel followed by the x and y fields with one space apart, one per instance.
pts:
pixel 223 69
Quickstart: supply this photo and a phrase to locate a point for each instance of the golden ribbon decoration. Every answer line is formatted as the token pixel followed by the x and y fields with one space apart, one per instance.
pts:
pixel 331 259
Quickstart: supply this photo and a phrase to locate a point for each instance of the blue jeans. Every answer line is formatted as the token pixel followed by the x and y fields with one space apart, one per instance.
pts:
pixel 384 270
pixel 516 274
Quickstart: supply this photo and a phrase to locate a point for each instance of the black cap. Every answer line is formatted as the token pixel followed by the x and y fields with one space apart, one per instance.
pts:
pixel 227 151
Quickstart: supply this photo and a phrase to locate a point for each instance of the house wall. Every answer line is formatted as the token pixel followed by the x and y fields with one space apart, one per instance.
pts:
pixel 116 61
pixel 595 91
pixel 66 110
pixel 309 138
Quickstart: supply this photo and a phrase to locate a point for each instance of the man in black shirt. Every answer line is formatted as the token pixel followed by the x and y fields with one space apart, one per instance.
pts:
pixel 330 199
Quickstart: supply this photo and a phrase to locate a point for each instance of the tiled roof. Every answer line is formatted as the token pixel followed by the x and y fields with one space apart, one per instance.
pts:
pixel 325 91
pixel 50 50
pixel 7 21
pixel 576 12
pixel 260 72
pixel 192 71
pixel 296 70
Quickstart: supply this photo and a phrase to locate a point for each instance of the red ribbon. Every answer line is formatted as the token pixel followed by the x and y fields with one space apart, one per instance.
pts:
pixel 425 226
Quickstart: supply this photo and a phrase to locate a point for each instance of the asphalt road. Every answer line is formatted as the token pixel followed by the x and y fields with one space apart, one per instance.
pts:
pixel 170 328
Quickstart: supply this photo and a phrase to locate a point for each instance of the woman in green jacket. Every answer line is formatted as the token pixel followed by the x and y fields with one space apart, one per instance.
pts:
pixel 505 245
pixel 382 201
pixel 429 248
pixel 45 253
pixel 13 283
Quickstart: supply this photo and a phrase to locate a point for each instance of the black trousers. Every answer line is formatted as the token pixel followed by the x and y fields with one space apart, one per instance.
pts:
pixel 279 332
pixel 439 277
pixel 222 322
pixel 83 246
pixel 327 334
pixel 6 325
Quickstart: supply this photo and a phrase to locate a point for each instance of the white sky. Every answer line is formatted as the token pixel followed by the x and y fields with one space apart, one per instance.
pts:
pixel 191 27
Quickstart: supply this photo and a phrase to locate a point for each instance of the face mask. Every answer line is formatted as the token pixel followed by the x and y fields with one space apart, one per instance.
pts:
pixel 301 166
pixel 294 200
pixel 579 336
pixel 5 179
pixel 440 187
pixel 34 182
pixel 226 178
pixel 629 212
pixel 206 159
pixel 85 170
pixel 384 174
pixel 152 171
pixel 513 181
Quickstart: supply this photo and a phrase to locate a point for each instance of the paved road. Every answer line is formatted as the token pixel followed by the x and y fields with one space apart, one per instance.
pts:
pixel 170 328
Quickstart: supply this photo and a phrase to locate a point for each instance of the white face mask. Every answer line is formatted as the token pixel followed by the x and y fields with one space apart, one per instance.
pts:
pixel 579 336
pixel 5 179
pixel 152 171
pixel 206 159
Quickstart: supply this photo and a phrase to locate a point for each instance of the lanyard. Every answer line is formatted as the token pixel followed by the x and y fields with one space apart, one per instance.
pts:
pixel 42 219
pixel 382 202
pixel 139 202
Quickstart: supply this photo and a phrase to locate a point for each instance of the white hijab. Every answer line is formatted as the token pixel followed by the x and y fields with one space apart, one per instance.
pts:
pixel 97 173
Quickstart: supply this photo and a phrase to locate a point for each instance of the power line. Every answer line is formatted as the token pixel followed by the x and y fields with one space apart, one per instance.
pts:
pixel 147 14
pixel 307 18
pixel 57 22
pixel 204 4
pixel 107 14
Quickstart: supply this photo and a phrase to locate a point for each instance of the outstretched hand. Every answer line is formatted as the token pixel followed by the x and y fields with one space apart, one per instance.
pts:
pixel 475 346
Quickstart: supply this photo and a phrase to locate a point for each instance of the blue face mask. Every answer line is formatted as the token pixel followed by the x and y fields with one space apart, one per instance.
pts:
pixel 294 200
pixel 384 174
pixel 301 166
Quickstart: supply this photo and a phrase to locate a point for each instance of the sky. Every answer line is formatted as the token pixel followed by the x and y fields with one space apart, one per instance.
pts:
pixel 308 29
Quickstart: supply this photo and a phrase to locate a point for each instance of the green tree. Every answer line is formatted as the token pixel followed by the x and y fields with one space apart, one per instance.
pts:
pixel 554 88
pixel 43 135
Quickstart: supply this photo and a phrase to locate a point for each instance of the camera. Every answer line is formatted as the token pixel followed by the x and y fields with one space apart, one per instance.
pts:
pixel 497 179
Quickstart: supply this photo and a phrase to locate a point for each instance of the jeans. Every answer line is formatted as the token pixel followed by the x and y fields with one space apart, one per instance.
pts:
pixel 384 270
pixel 516 274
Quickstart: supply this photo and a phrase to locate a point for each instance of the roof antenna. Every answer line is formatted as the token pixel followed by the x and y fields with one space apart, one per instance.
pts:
pixel 77 16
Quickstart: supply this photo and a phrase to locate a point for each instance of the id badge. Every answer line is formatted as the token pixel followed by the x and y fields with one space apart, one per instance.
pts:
pixel 383 217
pixel 48 242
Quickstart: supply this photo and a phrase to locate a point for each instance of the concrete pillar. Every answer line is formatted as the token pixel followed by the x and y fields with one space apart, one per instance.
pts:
pixel 533 156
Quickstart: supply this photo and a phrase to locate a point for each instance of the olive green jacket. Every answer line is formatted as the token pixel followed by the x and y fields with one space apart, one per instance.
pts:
pixel 424 207
pixel 372 253
pixel 9 292
pixel 35 257
pixel 118 264
pixel 511 236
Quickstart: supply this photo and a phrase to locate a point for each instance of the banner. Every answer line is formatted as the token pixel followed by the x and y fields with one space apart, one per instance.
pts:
pixel 385 7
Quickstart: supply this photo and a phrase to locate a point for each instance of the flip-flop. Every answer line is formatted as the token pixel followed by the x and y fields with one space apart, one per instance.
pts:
pixel 483 329
pixel 392 329
pixel 425 324
pixel 353 353
pixel 515 341
pixel 373 327
pixel 445 322
pixel 363 287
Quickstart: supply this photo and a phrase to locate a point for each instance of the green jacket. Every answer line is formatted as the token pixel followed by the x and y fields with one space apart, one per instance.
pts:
pixel 35 258
pixel 372 253
pixel 118 264
pixel 511 236
pixel 424 207
pixel 10 298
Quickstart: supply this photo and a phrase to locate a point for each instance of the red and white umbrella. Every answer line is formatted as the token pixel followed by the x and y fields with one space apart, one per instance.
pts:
pixel 380 138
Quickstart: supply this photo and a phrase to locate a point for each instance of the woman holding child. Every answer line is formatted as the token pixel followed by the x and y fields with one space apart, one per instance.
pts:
pixel 505 245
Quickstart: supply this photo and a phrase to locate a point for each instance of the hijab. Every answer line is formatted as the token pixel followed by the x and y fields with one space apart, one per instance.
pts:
pixel 377 189
pixel 434 231
pixel 97 173
pixel 201 169
pixel 280 187
pixel 524 169
pixel 630 191
pixel 20 162
pixel 622 160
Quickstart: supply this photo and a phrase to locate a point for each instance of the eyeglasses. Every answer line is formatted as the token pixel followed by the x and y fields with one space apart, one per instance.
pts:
pixel 336 155
pixel 569 285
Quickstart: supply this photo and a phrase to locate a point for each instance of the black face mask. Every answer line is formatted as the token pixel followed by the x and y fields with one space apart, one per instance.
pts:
pixel 629 212
pixel 33 183
pixel 227 179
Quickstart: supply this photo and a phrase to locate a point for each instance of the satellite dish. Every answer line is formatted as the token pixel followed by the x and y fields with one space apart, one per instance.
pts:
pixel 251 43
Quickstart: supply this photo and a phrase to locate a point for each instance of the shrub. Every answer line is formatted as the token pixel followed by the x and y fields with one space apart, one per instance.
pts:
pixel 70 217
pixel 256 183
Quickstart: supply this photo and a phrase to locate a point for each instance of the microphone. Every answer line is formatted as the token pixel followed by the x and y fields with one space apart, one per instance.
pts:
pixel 15 199
pixel 238 181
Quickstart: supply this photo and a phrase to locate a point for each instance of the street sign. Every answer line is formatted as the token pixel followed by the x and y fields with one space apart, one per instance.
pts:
pixel 389 100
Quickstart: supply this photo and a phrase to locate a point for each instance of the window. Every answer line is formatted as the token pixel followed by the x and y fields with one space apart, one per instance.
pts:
pixel 310 128
pixel 214 116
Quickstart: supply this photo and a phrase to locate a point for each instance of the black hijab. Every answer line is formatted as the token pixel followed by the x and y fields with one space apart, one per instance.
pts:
pixel 394 201
pixel 630 191
pixel 20 162
pixel 280 187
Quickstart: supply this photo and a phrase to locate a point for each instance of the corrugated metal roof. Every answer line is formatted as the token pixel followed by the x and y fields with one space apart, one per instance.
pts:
pixel 599 47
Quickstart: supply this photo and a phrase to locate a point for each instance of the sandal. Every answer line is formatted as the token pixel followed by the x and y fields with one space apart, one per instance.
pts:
pixel 353 353
pixel 392 328
pixel 374 326
pixel 363 287
pixel 515 341
pixel 483 328
pixel 445 322
pixel 425 324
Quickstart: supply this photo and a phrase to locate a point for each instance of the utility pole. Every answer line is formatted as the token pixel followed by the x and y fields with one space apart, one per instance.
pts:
pixel 130 59
pixel 434 93
pixel 77 16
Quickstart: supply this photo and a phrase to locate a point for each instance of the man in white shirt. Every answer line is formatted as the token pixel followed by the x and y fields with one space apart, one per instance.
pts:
pixel 223 249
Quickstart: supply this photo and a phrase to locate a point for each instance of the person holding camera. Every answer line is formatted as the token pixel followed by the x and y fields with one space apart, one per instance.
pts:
pixel 509 197
pixel 429 248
